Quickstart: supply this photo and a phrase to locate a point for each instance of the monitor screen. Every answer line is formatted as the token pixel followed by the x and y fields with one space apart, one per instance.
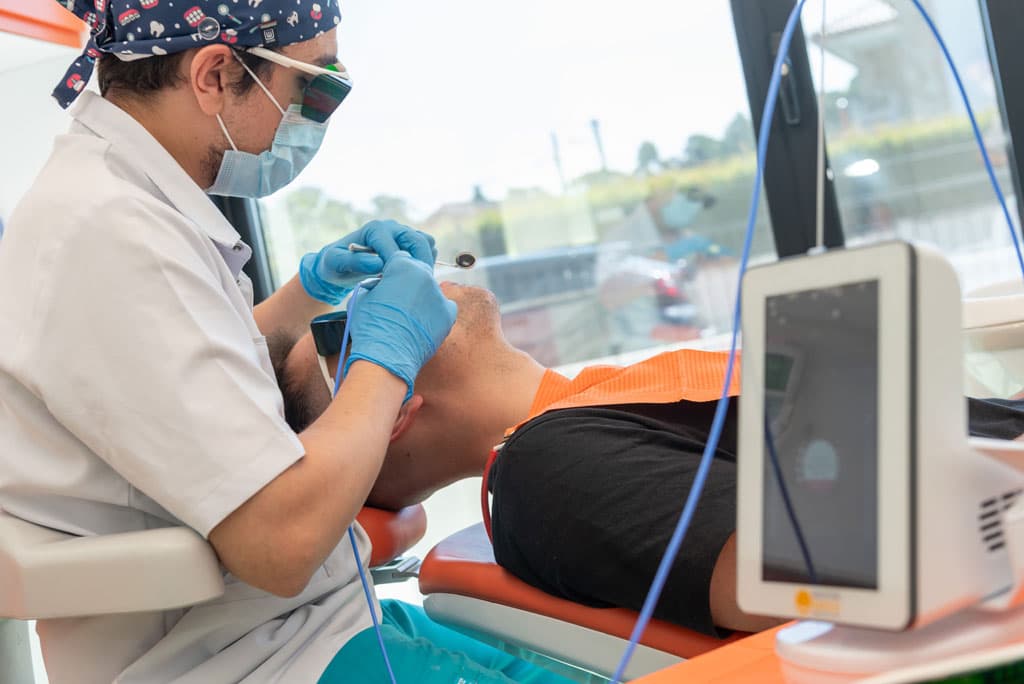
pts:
pixel 821 437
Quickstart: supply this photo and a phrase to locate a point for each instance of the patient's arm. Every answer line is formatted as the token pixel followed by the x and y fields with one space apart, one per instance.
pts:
pixel 725 611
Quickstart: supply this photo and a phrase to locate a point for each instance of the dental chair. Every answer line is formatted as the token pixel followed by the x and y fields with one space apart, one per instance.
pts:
pixel 48 574
pixel 467 590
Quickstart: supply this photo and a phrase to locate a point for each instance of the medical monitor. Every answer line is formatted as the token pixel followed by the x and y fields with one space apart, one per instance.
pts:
pixel 826 446
pixel 819 508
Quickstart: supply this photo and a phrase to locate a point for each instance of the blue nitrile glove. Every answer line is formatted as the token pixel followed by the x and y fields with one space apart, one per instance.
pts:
pixel 330 274
pixel 401 322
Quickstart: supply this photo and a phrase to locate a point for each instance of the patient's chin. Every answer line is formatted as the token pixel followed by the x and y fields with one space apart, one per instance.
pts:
pixel 477 307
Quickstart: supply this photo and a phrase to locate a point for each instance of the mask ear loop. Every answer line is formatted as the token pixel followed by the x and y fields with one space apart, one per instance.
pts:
pixel 262 87
pixel 259 82
pixel 226 134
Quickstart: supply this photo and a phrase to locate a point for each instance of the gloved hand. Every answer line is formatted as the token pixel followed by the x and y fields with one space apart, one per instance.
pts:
pixel 330 274
pixel 401 322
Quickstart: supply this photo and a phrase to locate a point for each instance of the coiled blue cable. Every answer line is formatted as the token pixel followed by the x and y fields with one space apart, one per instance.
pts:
pixel 338 375
pixel 716 427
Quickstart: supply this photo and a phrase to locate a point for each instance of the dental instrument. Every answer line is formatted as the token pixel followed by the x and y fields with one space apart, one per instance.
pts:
pixel 462 259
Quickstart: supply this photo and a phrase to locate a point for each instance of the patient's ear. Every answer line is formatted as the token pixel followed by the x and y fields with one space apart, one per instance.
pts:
pixel 406 416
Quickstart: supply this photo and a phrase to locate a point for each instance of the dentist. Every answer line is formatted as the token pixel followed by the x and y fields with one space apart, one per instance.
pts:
pixel 136 386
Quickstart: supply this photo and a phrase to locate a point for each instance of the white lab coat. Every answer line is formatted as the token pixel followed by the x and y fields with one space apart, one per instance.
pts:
pixel 136 392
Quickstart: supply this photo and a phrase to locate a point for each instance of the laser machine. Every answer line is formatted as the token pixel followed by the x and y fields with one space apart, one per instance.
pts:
pixel 864 508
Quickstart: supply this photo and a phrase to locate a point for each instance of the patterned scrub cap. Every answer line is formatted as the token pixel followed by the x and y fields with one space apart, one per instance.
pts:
pixel 136 29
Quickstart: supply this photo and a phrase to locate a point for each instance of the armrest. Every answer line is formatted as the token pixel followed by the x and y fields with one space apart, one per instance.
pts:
pixel 49 574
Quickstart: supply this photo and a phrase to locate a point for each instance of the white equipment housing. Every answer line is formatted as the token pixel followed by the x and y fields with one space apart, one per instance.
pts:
pixel 938 525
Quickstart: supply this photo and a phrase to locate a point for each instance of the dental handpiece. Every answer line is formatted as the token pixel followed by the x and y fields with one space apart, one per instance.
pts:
pixel 462 259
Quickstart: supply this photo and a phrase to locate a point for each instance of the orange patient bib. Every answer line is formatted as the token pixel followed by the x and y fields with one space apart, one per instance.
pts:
pixel 683 375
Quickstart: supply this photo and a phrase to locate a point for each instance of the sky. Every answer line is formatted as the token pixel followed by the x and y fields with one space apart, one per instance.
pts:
pixel 449 95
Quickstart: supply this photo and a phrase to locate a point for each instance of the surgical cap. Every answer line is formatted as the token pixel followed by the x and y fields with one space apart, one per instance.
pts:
pixel 137 29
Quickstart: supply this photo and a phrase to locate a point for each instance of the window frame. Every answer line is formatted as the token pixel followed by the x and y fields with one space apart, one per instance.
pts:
pixel 791 163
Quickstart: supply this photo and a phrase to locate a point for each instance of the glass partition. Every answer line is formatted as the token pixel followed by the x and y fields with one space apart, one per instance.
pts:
pixel 904 158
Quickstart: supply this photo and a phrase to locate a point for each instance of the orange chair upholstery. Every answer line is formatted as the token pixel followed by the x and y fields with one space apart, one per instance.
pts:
pixel 392 532
pixel 463 564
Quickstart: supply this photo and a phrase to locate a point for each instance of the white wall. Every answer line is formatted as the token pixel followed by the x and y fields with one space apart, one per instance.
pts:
pixel 29 117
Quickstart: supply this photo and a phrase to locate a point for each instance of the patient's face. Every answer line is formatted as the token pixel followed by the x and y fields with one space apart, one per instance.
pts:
pixel 477 326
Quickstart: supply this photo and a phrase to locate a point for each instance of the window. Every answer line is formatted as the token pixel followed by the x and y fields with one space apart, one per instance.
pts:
pixel 905 162
pixel 601 179
pixel 599 163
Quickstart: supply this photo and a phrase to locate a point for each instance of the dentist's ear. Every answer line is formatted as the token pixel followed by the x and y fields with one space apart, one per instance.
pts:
pixel 210 73
pixel 406 416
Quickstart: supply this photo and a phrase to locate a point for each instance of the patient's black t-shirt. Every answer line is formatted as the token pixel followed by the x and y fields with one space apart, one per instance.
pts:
pixel 586 499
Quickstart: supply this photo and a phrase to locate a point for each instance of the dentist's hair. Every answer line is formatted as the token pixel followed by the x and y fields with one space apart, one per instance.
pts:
pixel 143 77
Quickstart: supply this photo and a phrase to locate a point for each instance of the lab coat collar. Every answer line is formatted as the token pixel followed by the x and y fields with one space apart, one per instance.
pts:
pixel 113 124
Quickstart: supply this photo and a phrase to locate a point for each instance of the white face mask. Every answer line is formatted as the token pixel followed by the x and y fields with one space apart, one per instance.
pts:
pixel 296 142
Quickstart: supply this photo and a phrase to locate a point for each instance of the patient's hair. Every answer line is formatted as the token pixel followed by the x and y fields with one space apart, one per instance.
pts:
pixel 301 406
pixel 296 383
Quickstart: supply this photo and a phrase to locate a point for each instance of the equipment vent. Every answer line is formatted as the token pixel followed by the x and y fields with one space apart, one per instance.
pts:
pixel 990 519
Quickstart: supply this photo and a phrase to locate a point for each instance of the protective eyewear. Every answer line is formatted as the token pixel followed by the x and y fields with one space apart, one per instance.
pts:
pixel 323 94
pixel 328 330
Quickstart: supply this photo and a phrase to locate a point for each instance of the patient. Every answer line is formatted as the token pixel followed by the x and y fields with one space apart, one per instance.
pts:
pixel 584 498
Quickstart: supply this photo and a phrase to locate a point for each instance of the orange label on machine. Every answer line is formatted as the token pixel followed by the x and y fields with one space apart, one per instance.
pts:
pixel 809 603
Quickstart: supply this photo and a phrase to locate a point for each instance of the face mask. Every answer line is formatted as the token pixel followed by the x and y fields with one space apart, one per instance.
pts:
pixel 296 142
